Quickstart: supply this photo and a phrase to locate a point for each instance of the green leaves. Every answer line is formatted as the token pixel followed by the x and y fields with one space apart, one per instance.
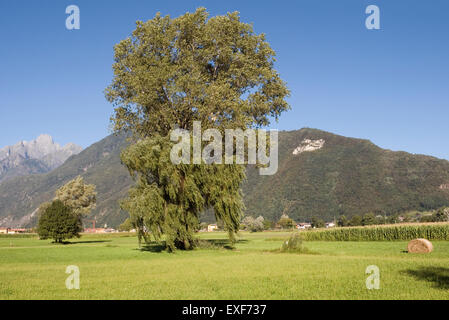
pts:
pixel 61 219
pixel 168 199
pixel 79 196
pixel 171 72
pixel 58 222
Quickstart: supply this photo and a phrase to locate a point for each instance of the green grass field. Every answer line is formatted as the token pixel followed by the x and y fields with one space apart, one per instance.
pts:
pixel 112 267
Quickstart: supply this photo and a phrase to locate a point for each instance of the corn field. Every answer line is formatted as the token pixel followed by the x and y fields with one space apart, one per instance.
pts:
pixel 380 233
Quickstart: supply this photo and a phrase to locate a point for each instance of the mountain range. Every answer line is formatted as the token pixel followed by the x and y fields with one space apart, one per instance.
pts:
pixel 320 175
pixel 37 156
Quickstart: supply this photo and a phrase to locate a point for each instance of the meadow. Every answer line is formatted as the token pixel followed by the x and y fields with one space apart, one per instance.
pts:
pixel 113 267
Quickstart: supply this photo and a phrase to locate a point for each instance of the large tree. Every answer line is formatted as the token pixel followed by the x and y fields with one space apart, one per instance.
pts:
pixel 169 73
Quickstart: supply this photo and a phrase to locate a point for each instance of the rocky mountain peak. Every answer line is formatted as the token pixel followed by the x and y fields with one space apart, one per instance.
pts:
pixel 44 139
pixel 36 156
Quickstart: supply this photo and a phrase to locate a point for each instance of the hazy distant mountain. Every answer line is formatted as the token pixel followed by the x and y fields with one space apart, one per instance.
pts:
pixel 98 164
pixel 31 157
pixel 320 175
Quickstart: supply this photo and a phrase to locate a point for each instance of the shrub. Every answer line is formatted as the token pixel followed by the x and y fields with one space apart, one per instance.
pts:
pixel 126 225
pixel 342 221
pixel 294 244
pixel 442 214
pixel 285 222
pixel 427 218
pixel 254 225
pixel 318 223
pixel 368 219
pixel 267 224
pixel 356 220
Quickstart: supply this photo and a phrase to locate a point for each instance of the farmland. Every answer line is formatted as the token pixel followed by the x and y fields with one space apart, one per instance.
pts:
pixel 406 231
pixel 112 267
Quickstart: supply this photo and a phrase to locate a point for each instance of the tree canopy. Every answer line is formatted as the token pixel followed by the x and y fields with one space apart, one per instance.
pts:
pixel 216 70
pixel 78 195
pixel 254 225
pixel 286 222
pixel 318 223
pixel 58 222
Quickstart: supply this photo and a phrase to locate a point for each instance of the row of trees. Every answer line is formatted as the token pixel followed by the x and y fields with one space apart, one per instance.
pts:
pixel 259 224
pixel 62 218
pixel 367 219
pixel 439 215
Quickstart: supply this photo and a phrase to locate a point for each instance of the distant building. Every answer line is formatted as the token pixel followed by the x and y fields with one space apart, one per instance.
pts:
pixel 212 227
pixel 95 230
pixel 12 230
pixel 99 230
pixel 304 225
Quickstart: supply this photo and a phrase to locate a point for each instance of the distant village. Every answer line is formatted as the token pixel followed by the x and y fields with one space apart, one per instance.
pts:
pixel 13 230
pixel 209 228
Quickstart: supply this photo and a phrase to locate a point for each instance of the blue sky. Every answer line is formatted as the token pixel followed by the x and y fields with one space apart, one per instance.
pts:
pixel 389 85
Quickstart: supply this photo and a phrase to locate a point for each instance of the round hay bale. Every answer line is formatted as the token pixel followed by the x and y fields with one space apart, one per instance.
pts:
pixel 420 246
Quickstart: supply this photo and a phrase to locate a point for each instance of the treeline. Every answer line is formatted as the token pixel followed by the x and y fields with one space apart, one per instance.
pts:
pixel 285 222
pixel 249 223
pixel 368 219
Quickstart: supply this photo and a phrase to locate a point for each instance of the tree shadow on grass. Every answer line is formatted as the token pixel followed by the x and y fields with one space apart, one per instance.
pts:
pixel 218 244
pixel 155 246
pixel 81 242
pixel 439 276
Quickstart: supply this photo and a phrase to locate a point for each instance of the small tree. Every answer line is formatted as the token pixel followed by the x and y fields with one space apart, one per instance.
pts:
pixel 58 222
pixel 380 219
pixel 427 218
pixel 254 225
pixel 394 218
pixel 285 222
pixel 368 219
pixel 356 220
pixel 318 223
pixel 258 224
pixel 267 224
pixel 442 214
pixel 247 222
pixel 342 221
pixel 126 225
